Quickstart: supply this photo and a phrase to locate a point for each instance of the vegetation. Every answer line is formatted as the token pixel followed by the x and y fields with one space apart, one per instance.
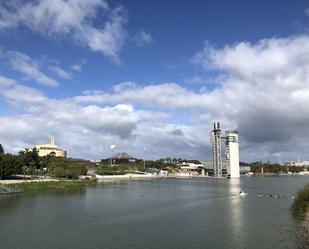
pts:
pixel 124 168
pixel 9 165
pixel 256 167
pixel 53 186
pixel 28 162
pixel 300 207
pixel 65 168
pixel 300 210
pixel 119 169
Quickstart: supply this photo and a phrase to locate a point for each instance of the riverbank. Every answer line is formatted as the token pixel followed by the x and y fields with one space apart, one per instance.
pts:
pixel 281 174
pixel 300 210
pixel 19 181
pixel 129 177
pixel 51 185
pixel 300 206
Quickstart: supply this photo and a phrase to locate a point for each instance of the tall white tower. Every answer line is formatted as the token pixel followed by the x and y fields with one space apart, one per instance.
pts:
pixel 217 160
pixel 232 153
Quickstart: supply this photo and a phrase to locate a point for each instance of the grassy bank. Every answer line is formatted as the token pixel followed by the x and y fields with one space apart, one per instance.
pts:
pixel 53 186
pixel 300 207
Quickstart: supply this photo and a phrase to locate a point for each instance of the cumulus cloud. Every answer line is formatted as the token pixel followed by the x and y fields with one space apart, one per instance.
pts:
pixel 87 130
pixel 265 92
pixel 165 95
pixel 73 19
pixel 142 38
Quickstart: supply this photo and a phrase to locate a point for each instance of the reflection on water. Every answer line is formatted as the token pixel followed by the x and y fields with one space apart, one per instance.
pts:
pixel 169 213
pixel 236 212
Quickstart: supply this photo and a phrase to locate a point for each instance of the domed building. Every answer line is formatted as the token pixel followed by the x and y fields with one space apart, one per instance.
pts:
pixel 50 149
pixel 121 157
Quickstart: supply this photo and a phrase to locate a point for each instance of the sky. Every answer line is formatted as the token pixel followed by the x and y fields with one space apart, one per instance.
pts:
pixel 152 76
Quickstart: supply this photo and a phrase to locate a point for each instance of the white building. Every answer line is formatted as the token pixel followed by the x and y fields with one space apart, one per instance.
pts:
pixel 192 168
pixel 50 149
pixel 232 153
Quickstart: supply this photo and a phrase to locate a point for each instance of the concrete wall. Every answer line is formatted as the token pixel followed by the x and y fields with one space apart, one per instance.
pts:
pixel 232 150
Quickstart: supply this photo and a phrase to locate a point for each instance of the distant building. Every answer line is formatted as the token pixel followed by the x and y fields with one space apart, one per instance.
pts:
pixel 50 149
pixel 192 167
pixel 244 169
pixel 232 153
pixel 121 157
pixel 210 168
pixel 230 139
pixel 305 163
pixel 217 160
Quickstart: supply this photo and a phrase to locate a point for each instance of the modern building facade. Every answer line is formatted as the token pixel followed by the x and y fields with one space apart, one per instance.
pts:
pixel 230 139
pixel 232 153
pixel 192 168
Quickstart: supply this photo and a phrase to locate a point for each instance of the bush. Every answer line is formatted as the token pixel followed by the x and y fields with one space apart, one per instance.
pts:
pixel 60 172
pixel 75 170
pixel 105 170
pixel 300 206
pixel 9 165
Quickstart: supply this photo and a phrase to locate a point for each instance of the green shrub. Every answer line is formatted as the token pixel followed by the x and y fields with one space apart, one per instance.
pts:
pixel 300 206
pixel 60 172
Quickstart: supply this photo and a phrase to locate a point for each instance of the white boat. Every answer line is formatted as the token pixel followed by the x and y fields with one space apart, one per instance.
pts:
pixel 242 194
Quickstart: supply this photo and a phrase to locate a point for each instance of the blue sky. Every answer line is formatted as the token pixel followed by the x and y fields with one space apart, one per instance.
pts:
pixel 159 72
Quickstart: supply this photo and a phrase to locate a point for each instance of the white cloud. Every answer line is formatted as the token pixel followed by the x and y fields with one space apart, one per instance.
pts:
pixel 264 93
pixel 19 95
pixel 142 38
pixel 61 72
pixel 124 86
pixel 77 67
pixel 88 130
pixel 23 63
pixel 166 95
pixel 195 80
pixel 6 82
pixel 307 12
pixel 73 19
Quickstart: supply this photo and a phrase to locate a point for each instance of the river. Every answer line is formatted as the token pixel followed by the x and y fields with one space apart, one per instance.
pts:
pixel 165 213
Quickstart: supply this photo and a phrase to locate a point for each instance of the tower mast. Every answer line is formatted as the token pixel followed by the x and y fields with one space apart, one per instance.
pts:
pixel 217 160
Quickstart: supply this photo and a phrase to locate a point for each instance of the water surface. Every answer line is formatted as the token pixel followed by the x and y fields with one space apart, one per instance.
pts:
pixel 167 213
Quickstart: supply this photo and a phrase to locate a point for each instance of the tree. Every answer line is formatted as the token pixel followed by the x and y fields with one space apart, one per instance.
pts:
pixel 105 170
pixel 9 165
pixel 60 172
pixel 75 170
pixel 31 160
pixel 1 150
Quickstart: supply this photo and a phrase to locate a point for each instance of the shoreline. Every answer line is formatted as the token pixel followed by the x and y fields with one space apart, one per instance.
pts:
pixel 27 185
pixel 128 177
